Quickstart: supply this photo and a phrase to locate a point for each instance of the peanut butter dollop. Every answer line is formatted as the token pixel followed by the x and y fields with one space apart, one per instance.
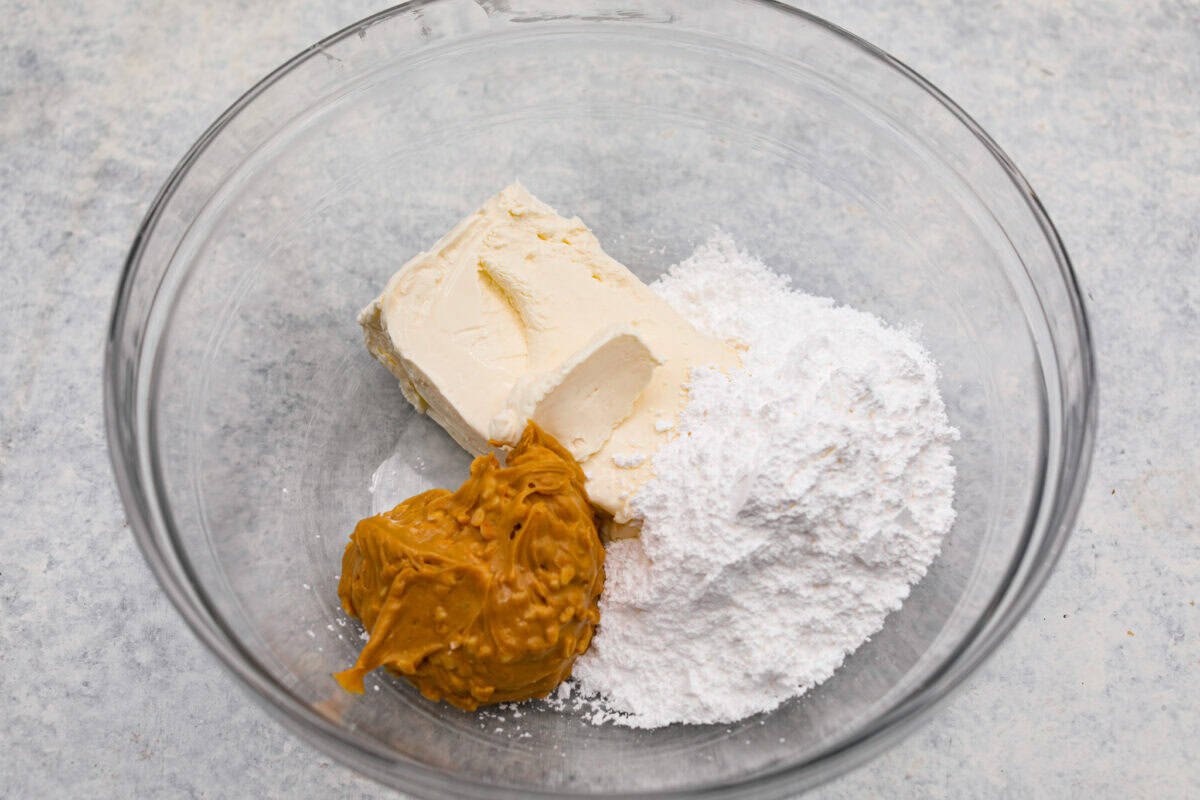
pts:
pixel 486 594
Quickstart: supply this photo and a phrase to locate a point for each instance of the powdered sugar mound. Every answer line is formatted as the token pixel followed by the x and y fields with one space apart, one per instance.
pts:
pixel 796 504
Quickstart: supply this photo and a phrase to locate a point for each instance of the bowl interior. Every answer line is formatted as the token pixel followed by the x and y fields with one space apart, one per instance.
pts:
pixel 266 417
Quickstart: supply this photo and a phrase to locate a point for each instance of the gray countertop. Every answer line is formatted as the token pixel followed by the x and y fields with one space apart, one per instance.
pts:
pixel 1095 694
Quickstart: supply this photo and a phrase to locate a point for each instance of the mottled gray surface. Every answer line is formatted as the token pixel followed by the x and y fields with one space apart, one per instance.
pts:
pixel 1094 695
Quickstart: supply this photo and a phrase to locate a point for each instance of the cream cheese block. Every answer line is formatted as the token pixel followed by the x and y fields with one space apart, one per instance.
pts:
pixel 518 311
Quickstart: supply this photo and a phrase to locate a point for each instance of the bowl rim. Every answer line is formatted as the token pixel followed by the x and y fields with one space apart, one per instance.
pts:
pixel 378 762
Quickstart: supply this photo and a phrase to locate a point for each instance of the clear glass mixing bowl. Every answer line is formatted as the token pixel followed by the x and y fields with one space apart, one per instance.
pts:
pixel 245 417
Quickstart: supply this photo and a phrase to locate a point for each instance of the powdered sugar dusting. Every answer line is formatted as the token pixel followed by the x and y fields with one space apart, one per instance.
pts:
pixel 628 460
pixel 795 505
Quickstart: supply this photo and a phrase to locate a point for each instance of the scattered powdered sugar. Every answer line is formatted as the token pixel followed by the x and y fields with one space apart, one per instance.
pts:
pixel 795 505
pixel 629 460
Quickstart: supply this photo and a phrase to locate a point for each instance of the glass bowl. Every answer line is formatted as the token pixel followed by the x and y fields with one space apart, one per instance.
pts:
pixel 245 417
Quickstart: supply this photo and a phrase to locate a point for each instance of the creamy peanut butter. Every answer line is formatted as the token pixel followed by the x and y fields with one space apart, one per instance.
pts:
pixel 484 595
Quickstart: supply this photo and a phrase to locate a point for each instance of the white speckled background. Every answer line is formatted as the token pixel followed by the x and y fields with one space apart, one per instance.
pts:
pixel 1096 694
